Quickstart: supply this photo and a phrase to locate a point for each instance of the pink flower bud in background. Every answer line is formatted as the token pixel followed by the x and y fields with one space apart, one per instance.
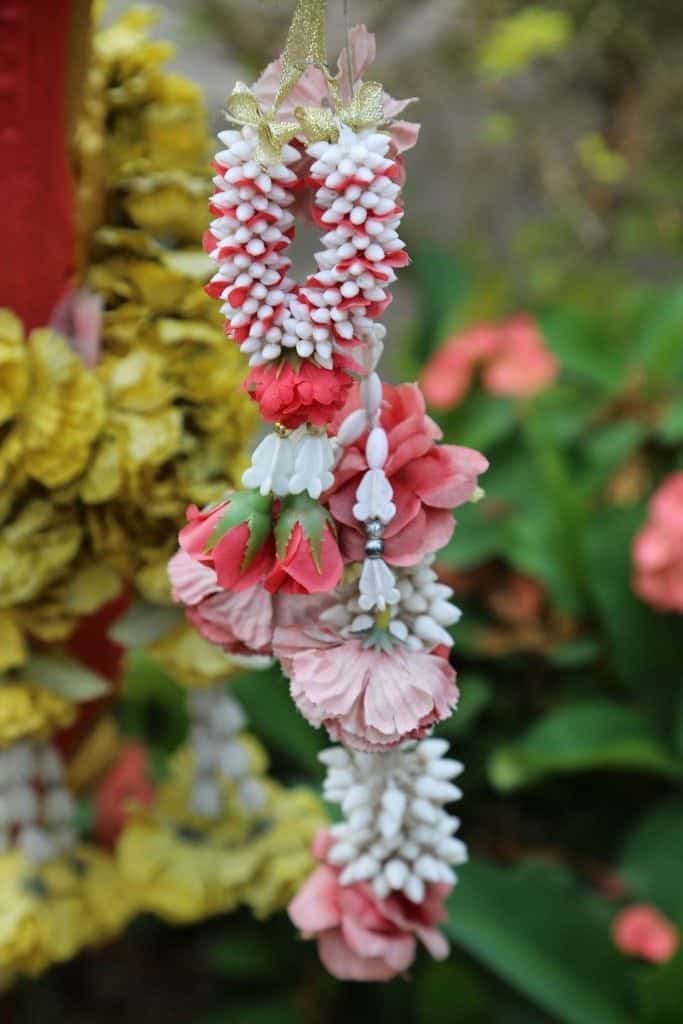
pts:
pixel 512 358
pixel 641 930
pixel 658 549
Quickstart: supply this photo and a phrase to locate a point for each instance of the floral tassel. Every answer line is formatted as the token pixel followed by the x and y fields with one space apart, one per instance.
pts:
pixel 325 560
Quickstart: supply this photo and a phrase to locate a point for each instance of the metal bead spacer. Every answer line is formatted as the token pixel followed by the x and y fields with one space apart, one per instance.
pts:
pixel 374 547
pixel 374 529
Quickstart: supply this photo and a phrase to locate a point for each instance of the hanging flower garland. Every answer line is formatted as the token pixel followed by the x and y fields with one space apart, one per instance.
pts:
pixel 325 559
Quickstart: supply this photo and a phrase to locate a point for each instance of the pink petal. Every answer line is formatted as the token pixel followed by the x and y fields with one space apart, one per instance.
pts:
pixel 342 963
pixel 190 580
pixel 395 948
pixel 447 476
pixel 314 908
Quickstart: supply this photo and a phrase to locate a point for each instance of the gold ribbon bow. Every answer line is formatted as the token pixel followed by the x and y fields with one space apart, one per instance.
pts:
pixel 305 47
pixel 244 109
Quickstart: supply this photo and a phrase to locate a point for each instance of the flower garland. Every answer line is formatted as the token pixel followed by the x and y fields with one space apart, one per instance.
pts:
pixel 325 559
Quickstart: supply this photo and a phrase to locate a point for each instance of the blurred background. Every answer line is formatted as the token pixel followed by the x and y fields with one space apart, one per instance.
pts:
pixel 543 312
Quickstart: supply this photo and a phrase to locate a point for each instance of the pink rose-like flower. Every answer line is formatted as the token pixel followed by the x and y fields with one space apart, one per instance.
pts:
pixel 297 572
pixel 241 623
pixel 658 549
pixel 236 567
pixel 309 394
pixel 361 937
pixel 640 930
pixel 428 480
pixel 512 357
pixel 366 697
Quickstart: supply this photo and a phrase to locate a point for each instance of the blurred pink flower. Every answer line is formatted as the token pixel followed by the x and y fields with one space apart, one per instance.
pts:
pixel 428 480
pixel 366 697
pixel 240 622
pixel 658 549
pixel 512 357
pixel 641 930
pixel 78 317
pixel 361 937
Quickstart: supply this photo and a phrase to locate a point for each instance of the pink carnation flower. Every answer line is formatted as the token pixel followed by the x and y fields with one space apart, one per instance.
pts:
pixel 428 480
pixel 361 937
pixel 366 697
pixel 658 549
pixel 640 930
pixel 240 622
pixel 512 357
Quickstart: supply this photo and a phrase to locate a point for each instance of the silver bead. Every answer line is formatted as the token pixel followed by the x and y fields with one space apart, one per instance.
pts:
pixel 374 547
pixel 373 529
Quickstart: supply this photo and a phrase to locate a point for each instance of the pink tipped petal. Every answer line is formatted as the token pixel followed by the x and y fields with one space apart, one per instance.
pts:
pixel 314 908
pixel 191 581
pixel 346 965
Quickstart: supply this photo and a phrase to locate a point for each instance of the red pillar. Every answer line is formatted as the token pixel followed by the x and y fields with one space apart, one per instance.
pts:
pixel 36 203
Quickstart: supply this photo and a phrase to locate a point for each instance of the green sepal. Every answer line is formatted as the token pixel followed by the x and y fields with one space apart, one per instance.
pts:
pixel 300 508
pixel 254 509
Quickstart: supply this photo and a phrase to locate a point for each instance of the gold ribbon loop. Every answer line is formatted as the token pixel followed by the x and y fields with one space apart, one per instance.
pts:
pixel 366 109
pixel 244 109
pixel 305 47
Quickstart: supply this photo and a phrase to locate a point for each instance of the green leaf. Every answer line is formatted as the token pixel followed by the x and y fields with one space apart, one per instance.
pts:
pixel 275 720
pixel 652 857
pixel 143 624
pixel 476 694
pixel 152 704
pixel 658 344
pixel 271 1010
pixel 538 929
pixel 585 736
pixel 481 421
pixel 254 509
pixel 661 992
pixel 671 426
pixel 442 284
pixel 69 679
pixel 580 342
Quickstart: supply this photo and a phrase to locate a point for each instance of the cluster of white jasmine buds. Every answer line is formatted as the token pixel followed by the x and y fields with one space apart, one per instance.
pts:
pixel 396 833
pixel 249 240
pixel 36 808
pixel 292 462
pixel 216 721
pixel 419 618
pixel 355 195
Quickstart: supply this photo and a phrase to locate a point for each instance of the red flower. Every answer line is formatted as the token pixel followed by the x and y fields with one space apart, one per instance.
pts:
pixel 233 538
pixel 126 783
pixel 309 394
pixel 308 559
pixel 428 480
